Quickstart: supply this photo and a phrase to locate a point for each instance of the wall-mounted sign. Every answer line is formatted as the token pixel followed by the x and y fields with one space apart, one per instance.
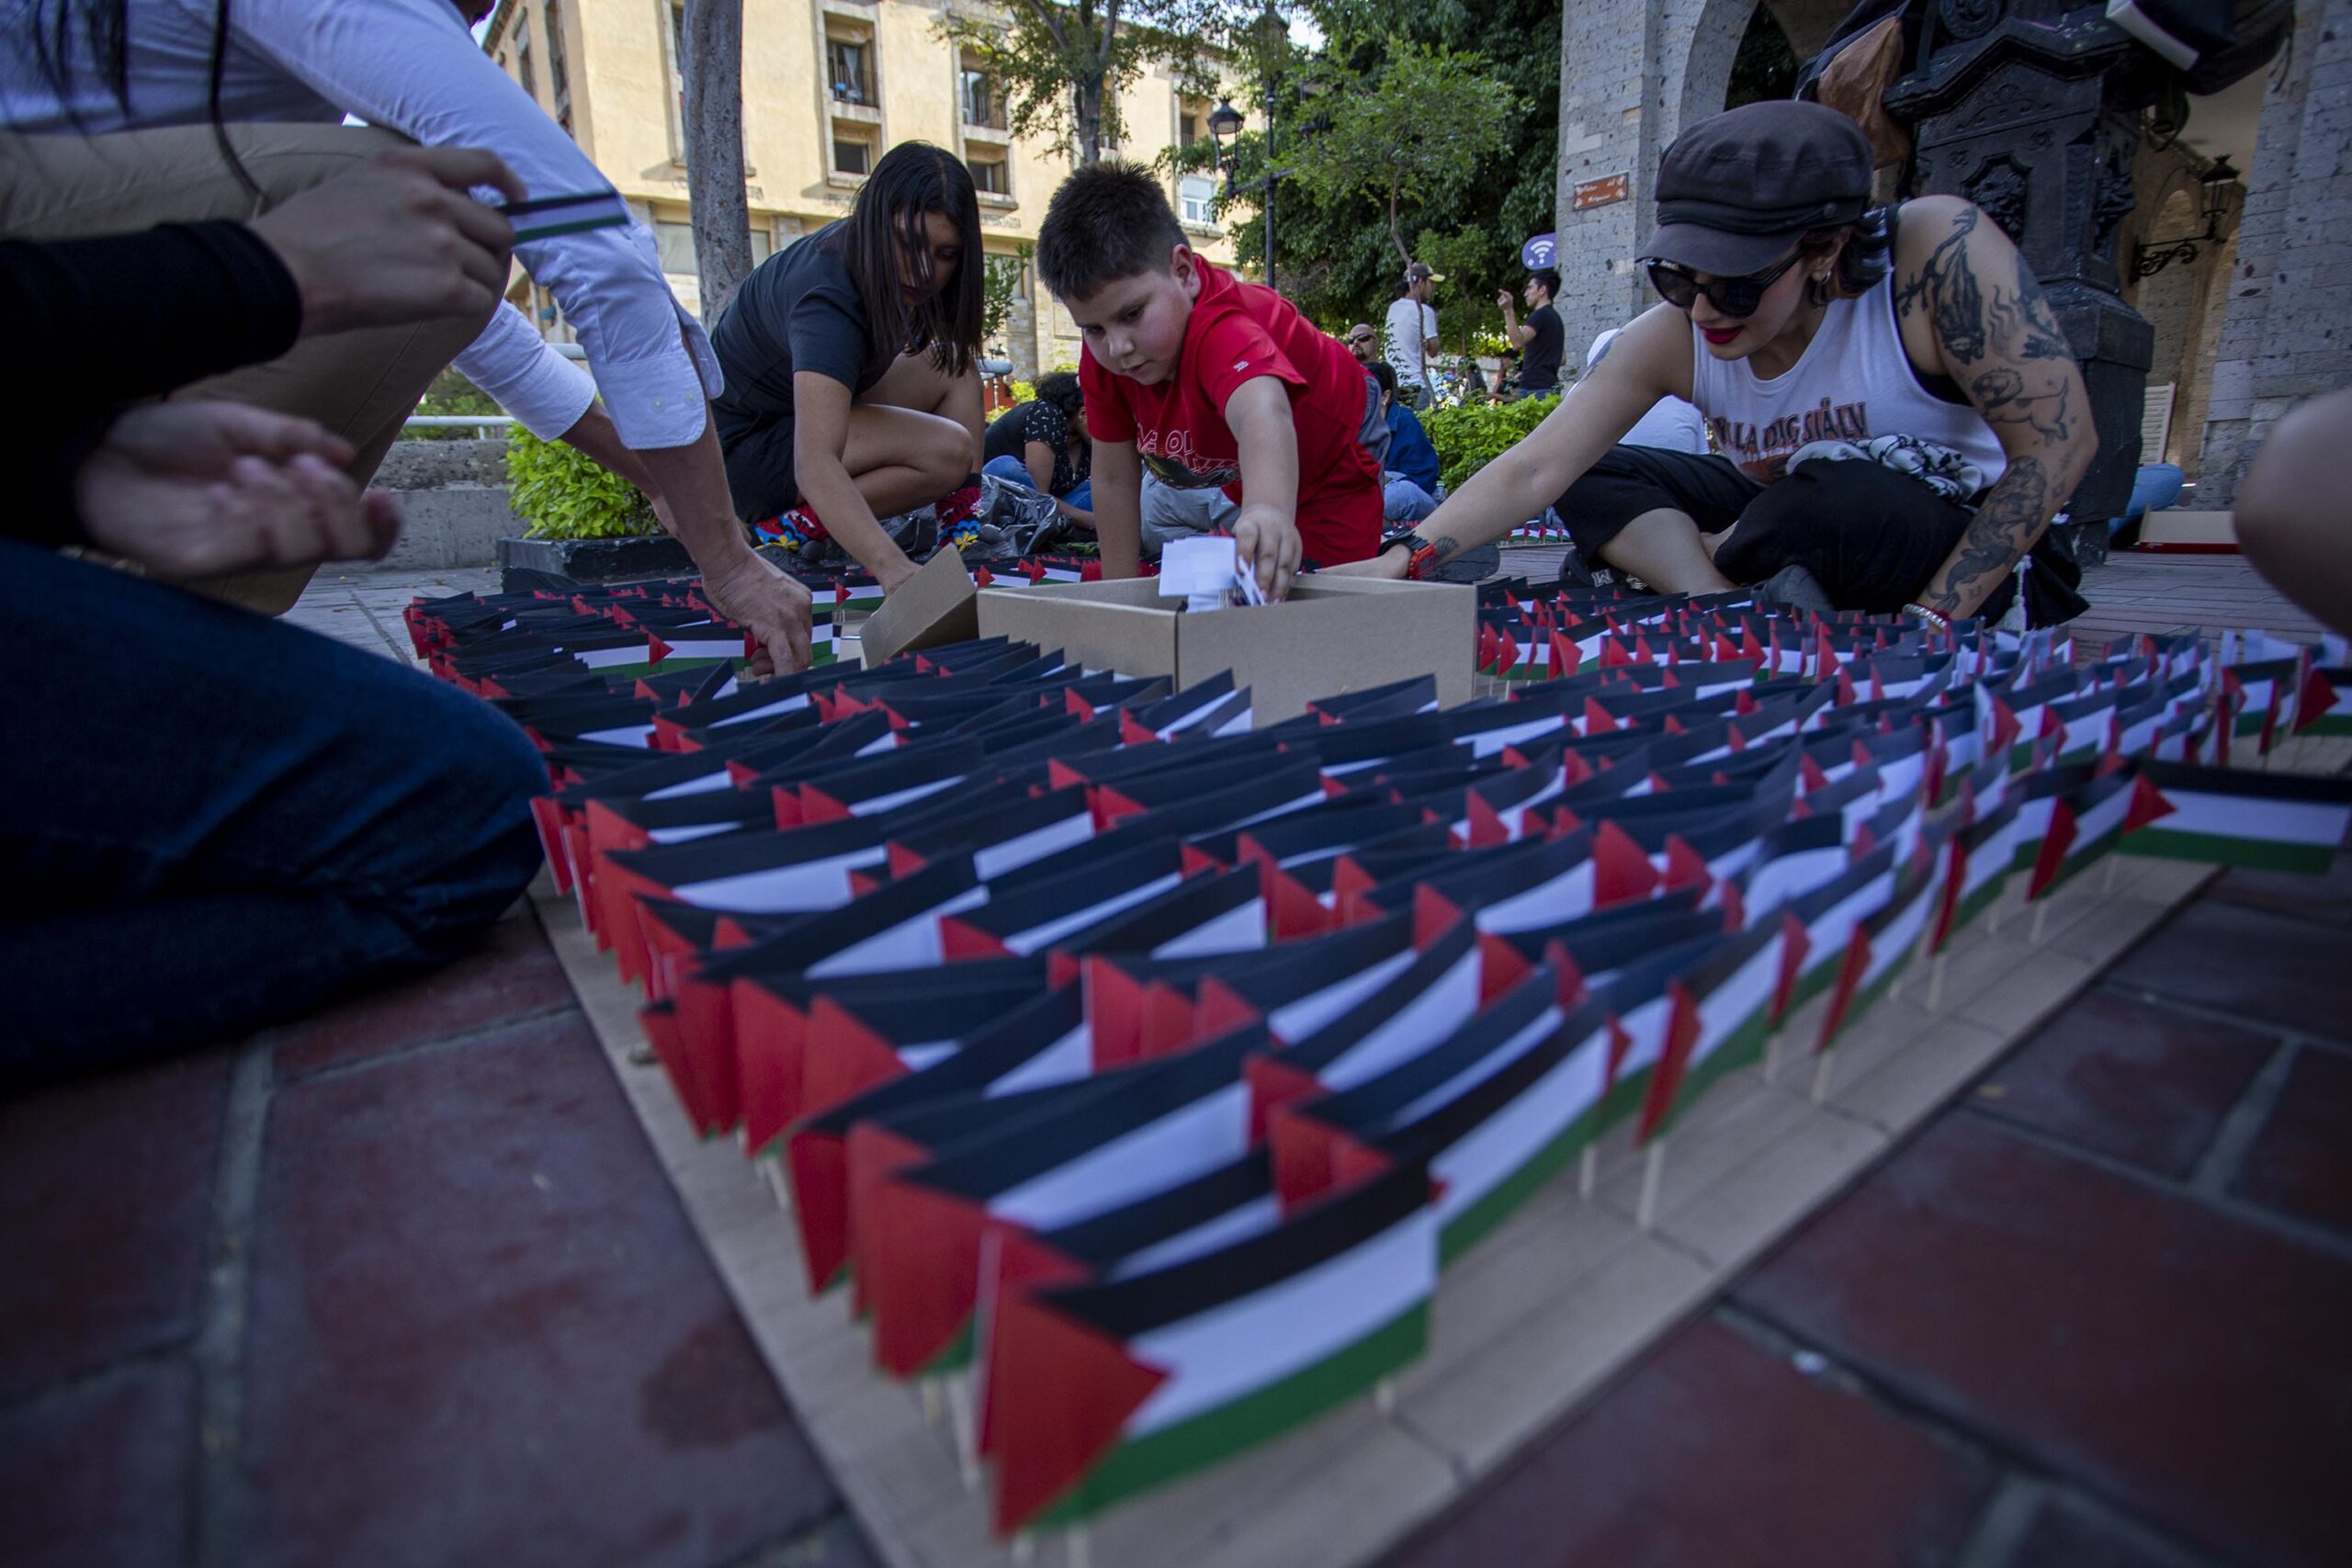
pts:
pixel 1539 252
pixel 1600 192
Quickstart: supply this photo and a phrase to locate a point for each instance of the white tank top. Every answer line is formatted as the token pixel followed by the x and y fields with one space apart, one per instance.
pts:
pixel 1854 382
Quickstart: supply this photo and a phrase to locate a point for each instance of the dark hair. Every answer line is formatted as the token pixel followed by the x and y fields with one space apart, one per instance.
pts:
pixel 1108 221
pixel 913 179
pixel 1549 276
pixel 1060 388
pixel 1869 256
pixel 1382 372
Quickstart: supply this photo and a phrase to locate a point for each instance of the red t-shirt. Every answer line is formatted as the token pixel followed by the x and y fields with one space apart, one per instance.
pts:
pixel 1238 331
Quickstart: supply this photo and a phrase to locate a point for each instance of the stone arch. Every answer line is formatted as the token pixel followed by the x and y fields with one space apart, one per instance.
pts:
pixel 2169 301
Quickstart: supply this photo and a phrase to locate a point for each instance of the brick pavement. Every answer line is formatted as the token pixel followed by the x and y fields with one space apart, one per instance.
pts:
pixel 404 1282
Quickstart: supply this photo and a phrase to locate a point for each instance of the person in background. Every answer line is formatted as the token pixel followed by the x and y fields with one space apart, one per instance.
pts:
pixel 1506 388
pixel 1043 444
pixel 1539 335
pixel 1364 343
pixel 2293 520
pixel 1213 382
pixel 1412 334
pixel 1670 424
pixel 219 822
pixel 853 387
pixel 1896 410
pixel 1409 485
pixel 122 113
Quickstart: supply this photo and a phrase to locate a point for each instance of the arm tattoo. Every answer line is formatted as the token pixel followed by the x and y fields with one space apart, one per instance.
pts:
pixel 2000 396
pixel 2025 318
pixel 2004 528
pixel 1947 286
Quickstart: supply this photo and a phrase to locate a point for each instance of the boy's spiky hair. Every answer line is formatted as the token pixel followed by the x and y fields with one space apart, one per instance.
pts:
pixel 1108 221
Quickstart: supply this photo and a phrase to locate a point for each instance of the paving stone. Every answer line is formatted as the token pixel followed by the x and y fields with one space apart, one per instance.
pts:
pixel 2142 1342
pixel 105 1188
pixel 2327 899
pixel 1713 1450
pixel 97 1475
pixel 2128 1079
pixel 474 1293
pixel 2301 1162
pixel 514 975
pixel 2259 968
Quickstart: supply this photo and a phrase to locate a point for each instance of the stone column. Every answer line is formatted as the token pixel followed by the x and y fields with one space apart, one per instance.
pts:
pixel 1609 123
pixel 2287 334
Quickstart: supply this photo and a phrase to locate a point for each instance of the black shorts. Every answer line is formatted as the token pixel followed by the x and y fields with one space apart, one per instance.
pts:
pixel 1873 538
pixel 759 470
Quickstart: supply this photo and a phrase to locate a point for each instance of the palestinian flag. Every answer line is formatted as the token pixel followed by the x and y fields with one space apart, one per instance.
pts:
pixel 1978 864
pixel 2323 705
pixel 2262 821
pixel 1103 1390
pixel 1881 949
pixel 1720 1015
pixel 2084 823
pixel 1820 926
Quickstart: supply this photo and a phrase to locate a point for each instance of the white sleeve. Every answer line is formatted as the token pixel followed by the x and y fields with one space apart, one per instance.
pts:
pixel 526 376
pixel 411 66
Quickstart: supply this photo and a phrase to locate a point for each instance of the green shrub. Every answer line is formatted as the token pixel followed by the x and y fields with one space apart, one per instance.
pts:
pixel 1025 391
pixel 1468 438
pixel 565 494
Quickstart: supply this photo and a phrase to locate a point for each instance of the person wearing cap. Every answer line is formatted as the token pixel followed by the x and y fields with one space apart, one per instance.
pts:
pixel 1796 316
pixel 1412 334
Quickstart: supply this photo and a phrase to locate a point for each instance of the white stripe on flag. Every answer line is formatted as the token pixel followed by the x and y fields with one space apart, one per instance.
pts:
pixel 1189 1142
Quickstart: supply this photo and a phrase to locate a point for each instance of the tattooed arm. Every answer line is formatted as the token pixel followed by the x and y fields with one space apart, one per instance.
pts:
pixel 1969 307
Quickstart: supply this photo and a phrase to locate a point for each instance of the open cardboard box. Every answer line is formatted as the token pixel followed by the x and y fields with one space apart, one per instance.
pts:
pixel 1333 635
pixel 930 608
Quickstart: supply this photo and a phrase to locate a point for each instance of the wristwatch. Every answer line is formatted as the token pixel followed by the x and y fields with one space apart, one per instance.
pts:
pixel 1420 557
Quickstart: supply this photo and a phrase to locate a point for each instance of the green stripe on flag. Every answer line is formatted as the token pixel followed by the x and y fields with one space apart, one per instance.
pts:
pixel 1215 1435
pixel 2221 848
pixel 1742 1047
pixel 1869 996
pixel 1976 903
pixel 1473 1224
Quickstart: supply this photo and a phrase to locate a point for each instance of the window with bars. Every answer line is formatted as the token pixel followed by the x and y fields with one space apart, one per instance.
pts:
pixel 849 68
pixel 524 70
pixel 559 76
pixel 983 105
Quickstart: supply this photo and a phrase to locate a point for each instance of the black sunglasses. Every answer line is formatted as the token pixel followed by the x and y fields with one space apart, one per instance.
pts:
pixel 1680 288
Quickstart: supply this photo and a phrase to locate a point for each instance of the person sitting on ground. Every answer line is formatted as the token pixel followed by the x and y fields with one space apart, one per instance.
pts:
pixel 1364 343
pixel 1506 384
pixel 227 822
pixel 852 391
pixel 1213 382
pixel 1409 486
pixel 1671 423
pixel 125 113
pixel 1540 335
pixel 1916 343
pixel 1411 335
pixel 2293 520
pixel 1043 444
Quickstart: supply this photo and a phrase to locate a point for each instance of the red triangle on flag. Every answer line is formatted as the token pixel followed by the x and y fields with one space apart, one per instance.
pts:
pixel 843 1058
pixel 1292 908
pixel 1621 868
pixel 1597 720
pixel 1856 964
pixel 2054 845
pixel 1170 1022
pixel 1500 966
pixel 1060 1395
pixel 1013 1262
pixel 1273 1083
pixel 1685 867
pixel 1434 915
pixel 1215 1009
pixel 2313 699
pixel 1312 1159
pixel 1665 1081
pixel 1796 944
pixel 2148 805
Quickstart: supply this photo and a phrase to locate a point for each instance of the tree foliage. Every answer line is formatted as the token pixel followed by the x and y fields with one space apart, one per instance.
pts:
pixel 1060 65
pixel 1414 136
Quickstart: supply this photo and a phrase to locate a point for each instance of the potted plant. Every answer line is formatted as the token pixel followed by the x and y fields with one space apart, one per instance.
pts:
pixel 586 522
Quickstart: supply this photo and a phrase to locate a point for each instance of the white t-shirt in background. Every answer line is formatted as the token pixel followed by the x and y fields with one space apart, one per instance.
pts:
pixel 1411 326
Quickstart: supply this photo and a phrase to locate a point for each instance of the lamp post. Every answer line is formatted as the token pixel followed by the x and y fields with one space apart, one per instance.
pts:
pixel 2215 186
pixel 1224 127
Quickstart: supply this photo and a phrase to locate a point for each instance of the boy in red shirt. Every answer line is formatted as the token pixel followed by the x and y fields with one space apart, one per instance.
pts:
pixel 1210 380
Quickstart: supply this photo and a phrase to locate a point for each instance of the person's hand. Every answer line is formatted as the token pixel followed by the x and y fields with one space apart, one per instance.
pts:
pixel 896 572
pixel 1269 545
pixel 1390 563
pixel 1504 297
pixel 397 240
pixel 770 604
pixel 199 488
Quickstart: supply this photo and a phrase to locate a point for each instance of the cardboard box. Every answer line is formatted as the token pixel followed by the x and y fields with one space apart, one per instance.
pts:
pixel 1332 634
pixel 934 606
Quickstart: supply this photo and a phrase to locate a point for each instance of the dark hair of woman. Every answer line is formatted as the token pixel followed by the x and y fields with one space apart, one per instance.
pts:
pixel 913 179
pixel 1867 255
pixel 1060 388
pixel 106 31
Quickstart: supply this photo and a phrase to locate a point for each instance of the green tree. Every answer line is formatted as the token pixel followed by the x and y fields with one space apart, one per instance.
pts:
pixel 1060 65
pixel 999 285
pixel 1417 132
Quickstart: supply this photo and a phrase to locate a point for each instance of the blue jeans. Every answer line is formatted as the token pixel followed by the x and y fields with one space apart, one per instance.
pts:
pixel 210 821
pixel 1016 471
pixel 1402 501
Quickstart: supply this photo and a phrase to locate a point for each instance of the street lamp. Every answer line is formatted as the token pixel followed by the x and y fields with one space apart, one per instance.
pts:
pixel 2215 186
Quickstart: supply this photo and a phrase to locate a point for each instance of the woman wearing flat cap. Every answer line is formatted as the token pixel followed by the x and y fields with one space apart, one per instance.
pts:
pixel 1893 406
